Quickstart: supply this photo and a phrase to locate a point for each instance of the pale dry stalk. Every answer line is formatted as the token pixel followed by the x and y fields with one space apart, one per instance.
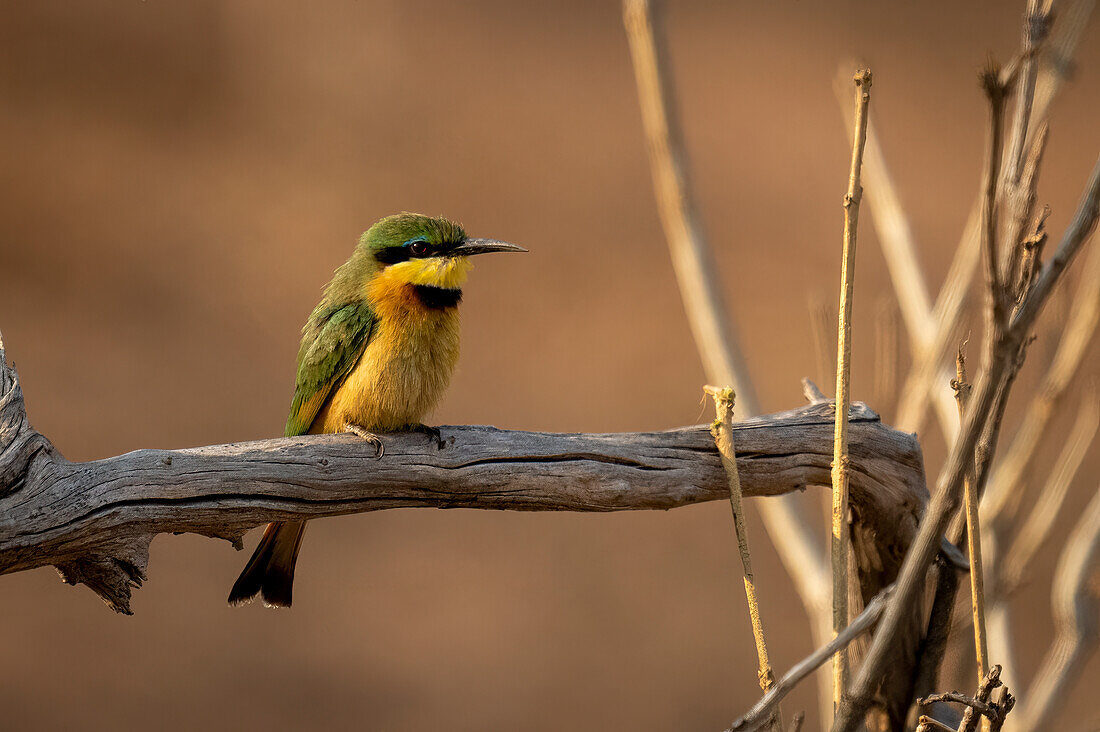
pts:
pixel 760 712
pixel 973 532
pixel 1008 338
pixel 1080 329
pixel 713 331
pixel 1076 605
pixel 1040 520
pixel 899 249
pixel 927 374
pixel 928 724
pixel 722 431
pixel 839 541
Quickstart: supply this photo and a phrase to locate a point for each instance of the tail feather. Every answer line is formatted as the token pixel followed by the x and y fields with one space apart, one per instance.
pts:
pixel 270 571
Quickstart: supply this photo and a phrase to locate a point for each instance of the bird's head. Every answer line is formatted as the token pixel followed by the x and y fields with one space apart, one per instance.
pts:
pixel 425 251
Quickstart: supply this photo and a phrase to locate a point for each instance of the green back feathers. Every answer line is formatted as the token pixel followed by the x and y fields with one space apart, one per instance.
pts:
pixel 332 341
pixel 340 327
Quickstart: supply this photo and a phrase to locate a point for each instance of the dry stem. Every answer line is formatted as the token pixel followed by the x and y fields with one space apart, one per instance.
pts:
pixel 973 532
pixel 722 431
pixel 1040 520
pixel 1080 329
pixel 899 249
pixel 928 724
pixel 1006 340
pixel 995 94
pixel 713 330
pixel 843 377
pixel 927 373
pixel 885 385
pixel 958 698
pixel 822 328
pixel 1076 602
pixel 760 712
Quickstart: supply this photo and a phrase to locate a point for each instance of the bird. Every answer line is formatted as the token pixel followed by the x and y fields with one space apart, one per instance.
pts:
pixel 376 355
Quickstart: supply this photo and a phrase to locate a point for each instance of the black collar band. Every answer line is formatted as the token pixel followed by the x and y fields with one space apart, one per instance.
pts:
pixel 438 298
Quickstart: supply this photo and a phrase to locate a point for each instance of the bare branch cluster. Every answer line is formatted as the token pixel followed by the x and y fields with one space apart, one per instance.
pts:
pixel 1007 234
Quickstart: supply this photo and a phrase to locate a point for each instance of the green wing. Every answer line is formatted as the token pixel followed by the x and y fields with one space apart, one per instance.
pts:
pixel 332 341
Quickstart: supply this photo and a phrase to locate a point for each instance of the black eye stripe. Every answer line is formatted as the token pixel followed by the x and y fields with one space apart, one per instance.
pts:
pixel 416 249
pixel 392 255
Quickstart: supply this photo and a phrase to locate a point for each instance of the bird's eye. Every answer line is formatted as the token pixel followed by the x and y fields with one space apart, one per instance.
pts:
pixel 418 249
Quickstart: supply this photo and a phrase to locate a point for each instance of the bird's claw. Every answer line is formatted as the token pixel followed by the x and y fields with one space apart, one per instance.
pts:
pixel 380 448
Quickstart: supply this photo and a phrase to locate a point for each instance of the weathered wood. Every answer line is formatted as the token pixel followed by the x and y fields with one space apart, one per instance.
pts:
pixel 94 520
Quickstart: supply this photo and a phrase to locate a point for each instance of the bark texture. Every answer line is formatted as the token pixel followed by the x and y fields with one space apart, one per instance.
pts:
pixel 94 521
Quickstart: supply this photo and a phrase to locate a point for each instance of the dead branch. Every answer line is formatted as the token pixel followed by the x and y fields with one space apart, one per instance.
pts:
pixel 929 724
pixel 1005 342
pixel 822 327
pixel 884 384
pixel 722 432
pixel 959 698
pixel 995 712
pixel 1076 609
pixel 973 532
pixel 1079 331
pixel 839 543
pixel 899 249
pixel 982 704
pixel 1040 520
pixel 927 372
pixel 94 520
pixel 712 328
pixel 761 712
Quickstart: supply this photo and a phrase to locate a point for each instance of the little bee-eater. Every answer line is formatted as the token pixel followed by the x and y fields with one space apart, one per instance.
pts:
pixel 376 356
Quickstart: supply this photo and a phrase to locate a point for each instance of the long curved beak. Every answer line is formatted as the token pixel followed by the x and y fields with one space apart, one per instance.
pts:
pixel 484 246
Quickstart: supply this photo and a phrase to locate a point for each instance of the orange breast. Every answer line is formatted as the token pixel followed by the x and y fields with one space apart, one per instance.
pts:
pixel 405 368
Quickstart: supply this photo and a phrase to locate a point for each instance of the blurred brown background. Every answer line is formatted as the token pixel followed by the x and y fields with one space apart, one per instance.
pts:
pixel 180 179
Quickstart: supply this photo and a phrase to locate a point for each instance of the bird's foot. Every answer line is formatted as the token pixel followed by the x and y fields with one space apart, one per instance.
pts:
pixel 369 437
pixel 431 432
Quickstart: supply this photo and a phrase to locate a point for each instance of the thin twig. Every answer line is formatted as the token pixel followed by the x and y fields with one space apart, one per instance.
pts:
pixel 1036 30
pixel 843 377
pixel 822 327
pixel 995 94
pixel 1069 23
pixel 928 374
pixel 885 386
pixel 693 263
pixel 722 431
pixel 760 712
pixel 899 249
pixel 1080 329
pixel 692 259
pixel 928 724
pixel 813 394
pixel 1076 604
pixel 1077 233
pixel 1005 352
pixel 1040 520
pixel 973 531
pixel 986 686
pixel 960 698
